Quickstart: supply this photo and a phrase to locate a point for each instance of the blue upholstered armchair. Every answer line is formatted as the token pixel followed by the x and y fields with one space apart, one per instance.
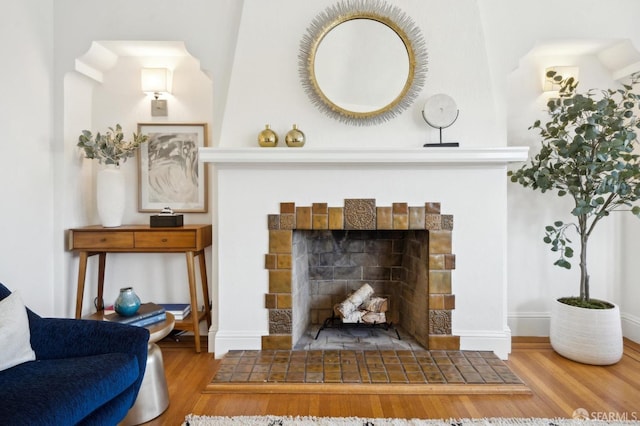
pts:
pixel 85 372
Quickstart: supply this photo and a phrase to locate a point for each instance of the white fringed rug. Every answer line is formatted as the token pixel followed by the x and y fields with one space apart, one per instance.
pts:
pixel 193 420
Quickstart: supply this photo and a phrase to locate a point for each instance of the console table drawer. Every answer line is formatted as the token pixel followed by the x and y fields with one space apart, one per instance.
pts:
pixel 102 240
pixel 155 240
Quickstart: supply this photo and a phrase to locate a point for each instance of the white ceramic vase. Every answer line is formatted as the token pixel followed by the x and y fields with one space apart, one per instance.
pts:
pixel 589 336
pixel 110 196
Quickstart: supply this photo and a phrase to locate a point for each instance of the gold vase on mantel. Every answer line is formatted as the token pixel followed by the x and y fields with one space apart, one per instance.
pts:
pixel 295 137
pixel 267 137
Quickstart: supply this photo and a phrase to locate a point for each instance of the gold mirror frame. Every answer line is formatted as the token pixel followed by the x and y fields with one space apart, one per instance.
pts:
pixel 377 10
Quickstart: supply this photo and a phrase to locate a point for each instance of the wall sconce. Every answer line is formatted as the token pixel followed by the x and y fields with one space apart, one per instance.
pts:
pixel 549 85
pixel 156 81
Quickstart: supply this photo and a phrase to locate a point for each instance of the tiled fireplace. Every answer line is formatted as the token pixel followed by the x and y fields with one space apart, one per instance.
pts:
pixel 255 222
pixel 318 254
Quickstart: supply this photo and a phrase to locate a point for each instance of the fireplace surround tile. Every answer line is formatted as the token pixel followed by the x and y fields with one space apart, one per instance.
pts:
pixel 439 282
pixel 384 218
pixel 360 213
pixel 433 222
pixel 432 208
pixel 273 221
pixel 449 261
pixel 320 221
pixel 400 208
pixel 284 261
pixel 280 241
pixel 280 321
pixel 447 222
pixel 352 245
pixel 416 218
pixel 287 221
pixel 437 261
pixel 401 221
pixel 287 208
pixel 336 218
pixel 280 281
pixel 440 242
pixel 275 341
pixel 270 301
pixel 319 208
pixel 303 218
pixel 284 301
pixel 270 261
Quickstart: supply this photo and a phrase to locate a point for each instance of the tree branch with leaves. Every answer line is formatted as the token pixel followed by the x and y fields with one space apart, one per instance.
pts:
pixel 588 152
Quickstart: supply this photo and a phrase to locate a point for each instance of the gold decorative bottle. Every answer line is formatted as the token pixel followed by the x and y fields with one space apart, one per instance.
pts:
pixel 267 137
pixel 295 137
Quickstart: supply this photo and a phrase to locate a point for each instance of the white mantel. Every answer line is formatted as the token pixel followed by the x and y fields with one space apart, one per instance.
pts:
pixel 250 183
pixel 433 156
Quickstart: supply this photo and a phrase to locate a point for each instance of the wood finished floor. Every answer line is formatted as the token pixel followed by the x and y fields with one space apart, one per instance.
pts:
pixel 559 387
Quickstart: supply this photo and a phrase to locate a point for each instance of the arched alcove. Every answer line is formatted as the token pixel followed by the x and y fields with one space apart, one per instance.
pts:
pixel 105 90
pixel 603 64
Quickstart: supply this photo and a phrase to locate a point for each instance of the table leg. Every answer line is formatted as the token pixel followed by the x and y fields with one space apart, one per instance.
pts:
pixel 82 275
pixel 205 287
pixel 194 300
pixel 82 271
pixel 102 259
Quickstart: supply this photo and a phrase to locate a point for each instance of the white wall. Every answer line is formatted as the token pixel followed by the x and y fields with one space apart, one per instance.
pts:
pixel 629 287
pixel 26 152
pixel 516 54
pixel 265 87
pixel 208 31
pixel 473 48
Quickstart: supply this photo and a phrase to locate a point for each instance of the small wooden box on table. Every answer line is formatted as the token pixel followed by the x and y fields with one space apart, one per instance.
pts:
pixel 189 239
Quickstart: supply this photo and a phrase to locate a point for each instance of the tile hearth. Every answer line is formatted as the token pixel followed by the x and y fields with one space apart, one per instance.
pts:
pixel 363 367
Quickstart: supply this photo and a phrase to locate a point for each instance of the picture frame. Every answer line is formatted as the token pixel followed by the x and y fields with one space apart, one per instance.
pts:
pixel 169 172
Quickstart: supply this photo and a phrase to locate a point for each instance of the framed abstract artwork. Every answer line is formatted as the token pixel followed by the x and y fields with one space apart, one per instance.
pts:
pixel 169 173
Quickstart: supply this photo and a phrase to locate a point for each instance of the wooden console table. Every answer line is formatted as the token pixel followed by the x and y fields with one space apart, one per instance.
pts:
pixel 188 239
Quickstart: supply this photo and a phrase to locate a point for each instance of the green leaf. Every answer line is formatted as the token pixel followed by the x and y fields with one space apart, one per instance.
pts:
pixel 562 263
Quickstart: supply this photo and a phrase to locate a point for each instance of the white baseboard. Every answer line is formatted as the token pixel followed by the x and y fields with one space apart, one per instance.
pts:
pixel 520 324
pixel 486 340
pixel 537 324
pixel 529 323
pixel 221 342
pixel 631 327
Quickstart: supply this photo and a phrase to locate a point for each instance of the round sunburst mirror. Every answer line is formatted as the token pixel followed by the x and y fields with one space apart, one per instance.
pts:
pixel 362 62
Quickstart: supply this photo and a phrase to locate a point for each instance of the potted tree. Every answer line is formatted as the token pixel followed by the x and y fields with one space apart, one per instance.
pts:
pixel 587 154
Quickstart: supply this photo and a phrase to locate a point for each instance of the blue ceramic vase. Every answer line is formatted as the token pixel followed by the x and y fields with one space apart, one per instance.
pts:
pixel 127 303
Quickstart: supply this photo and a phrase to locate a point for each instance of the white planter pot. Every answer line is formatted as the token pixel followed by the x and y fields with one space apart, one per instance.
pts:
pixel 110 194
pixel 590 336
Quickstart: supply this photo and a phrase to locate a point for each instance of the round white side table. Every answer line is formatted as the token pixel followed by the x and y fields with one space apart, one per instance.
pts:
pixel 153 398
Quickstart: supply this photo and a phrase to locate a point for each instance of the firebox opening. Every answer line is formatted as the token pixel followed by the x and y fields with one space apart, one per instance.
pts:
pixel 330 265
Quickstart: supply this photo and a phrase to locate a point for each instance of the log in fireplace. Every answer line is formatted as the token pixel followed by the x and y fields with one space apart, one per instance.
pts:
pixel 318 255
pixel 362 308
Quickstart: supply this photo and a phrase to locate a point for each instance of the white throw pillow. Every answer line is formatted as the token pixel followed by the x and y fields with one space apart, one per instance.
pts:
pixel 15 337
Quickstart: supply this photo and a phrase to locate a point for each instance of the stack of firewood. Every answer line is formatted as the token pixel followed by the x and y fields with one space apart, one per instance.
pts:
pixel 362 306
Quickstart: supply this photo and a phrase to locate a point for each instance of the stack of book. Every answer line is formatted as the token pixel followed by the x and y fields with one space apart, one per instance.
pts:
pixel 178 310
pixel 148 314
